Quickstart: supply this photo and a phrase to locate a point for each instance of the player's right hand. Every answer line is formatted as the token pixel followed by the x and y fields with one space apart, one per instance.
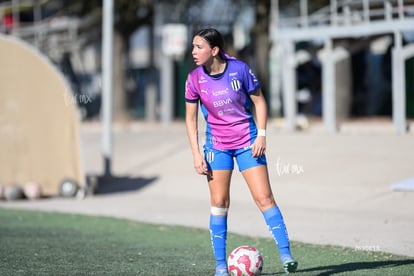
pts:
pixel 200 164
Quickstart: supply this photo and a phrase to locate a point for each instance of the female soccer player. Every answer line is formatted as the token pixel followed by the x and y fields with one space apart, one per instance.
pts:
pixel 226 90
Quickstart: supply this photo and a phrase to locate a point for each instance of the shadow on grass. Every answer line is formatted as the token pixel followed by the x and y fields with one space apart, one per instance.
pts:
pixel 119 184
pixel 350 267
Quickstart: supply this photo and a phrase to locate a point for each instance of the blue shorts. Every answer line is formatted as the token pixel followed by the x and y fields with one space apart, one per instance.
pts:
pixel 224 159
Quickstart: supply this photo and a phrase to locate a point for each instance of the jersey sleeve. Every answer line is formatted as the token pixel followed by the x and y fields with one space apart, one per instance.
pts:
pixel 191 93
pixel 250 81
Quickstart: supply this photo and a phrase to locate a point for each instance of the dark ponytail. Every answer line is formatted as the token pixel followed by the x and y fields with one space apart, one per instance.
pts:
pixel 214 39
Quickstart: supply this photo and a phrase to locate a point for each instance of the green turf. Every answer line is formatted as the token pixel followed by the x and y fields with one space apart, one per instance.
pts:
pixel 42 243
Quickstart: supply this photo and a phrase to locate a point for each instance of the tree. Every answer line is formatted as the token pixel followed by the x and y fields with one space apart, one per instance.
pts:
pixel 260 34
pixel 128 17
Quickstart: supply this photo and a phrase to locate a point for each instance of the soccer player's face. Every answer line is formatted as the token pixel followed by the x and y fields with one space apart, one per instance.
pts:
pixel 202 52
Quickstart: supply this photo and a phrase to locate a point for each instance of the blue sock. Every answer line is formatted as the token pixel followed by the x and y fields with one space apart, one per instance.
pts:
pixel 218 232
pixel 277 228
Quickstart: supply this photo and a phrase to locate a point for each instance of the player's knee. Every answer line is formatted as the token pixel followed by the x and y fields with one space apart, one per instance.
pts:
pixel 220 202
pixel 219 211
pixel 265 202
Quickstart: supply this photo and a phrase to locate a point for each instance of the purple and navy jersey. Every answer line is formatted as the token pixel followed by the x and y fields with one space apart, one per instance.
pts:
pixel 225 103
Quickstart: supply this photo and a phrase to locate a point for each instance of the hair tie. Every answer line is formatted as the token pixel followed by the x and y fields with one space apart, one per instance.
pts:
pixel 224 55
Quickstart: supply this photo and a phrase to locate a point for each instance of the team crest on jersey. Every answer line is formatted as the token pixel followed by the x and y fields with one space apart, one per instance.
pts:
pixel 235 84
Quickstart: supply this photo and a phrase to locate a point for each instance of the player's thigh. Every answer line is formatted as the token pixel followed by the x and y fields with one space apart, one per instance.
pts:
pixel 218 159
pixel 257 179
pixel 219 184
pixel 245 159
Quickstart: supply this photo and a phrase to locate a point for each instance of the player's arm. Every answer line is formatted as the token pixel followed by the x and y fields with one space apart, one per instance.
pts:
pixel 192 133
pixel 259 101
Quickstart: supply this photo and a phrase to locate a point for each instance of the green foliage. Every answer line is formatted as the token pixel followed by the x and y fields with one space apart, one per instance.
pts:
pixel 43 243
pixel 128 15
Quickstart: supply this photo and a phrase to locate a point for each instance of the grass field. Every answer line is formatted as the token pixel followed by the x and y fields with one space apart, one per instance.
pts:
pixel 43 243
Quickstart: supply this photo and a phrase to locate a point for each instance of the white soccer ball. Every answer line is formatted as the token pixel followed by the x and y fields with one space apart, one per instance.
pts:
pixel 68 188
pixel 32 190
pixel 245 261
pixel 13 191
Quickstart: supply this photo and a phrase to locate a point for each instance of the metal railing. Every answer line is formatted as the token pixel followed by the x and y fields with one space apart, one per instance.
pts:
pixel 349 12
pixel 53 36
pixel 342 19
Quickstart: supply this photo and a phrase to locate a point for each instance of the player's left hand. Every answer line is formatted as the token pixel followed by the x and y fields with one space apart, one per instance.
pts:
pixel 259 146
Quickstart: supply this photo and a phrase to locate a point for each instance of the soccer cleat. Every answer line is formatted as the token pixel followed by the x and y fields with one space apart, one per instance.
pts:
pixel 289 265
pixel 221 271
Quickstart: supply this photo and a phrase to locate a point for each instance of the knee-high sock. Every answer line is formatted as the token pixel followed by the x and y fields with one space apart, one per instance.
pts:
pixel 277 228
pixel 218 232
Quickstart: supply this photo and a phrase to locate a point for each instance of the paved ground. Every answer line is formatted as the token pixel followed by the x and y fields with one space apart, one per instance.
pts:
pixel 332 188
